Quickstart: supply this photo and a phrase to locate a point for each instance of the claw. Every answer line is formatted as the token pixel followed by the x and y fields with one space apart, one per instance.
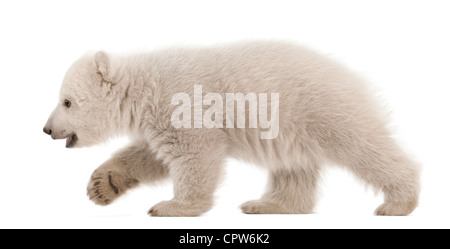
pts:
pixel 94 196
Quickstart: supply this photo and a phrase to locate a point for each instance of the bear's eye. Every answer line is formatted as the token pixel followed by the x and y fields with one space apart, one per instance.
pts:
pixel 67 103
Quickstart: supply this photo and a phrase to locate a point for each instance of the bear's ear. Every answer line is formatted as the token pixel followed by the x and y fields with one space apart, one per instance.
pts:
pixel 102 65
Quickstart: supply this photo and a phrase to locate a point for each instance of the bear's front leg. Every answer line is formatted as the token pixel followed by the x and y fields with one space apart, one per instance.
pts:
pixel 196 163
pixel 124 170
pixel 109 181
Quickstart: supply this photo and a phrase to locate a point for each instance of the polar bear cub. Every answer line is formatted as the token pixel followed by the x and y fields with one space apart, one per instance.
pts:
pixel 188 109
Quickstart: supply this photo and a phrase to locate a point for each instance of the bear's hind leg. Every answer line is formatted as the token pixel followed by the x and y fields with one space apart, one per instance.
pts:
pixel 383 165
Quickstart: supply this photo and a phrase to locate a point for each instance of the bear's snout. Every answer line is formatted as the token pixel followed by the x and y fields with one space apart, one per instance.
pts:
pixel 47 131
pixel 55 133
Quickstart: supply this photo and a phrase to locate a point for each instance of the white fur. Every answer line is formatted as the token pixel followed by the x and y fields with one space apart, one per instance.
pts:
pixel 327 114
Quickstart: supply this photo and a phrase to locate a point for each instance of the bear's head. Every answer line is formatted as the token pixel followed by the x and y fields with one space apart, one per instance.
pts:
pixel 85 112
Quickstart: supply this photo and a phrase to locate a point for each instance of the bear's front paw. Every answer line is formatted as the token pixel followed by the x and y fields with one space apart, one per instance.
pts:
pixel 178 208
pixel 105 186
pixel 262 207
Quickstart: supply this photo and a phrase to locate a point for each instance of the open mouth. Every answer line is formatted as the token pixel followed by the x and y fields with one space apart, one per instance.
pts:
pixel 71 140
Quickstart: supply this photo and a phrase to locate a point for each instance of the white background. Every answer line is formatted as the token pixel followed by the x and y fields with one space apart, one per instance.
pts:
pixel 402 47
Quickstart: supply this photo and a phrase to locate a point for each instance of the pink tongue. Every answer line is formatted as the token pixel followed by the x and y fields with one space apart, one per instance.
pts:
pixel 68 140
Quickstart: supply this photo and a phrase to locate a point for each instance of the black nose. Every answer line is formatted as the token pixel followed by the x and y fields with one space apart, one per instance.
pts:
pixel 47 131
